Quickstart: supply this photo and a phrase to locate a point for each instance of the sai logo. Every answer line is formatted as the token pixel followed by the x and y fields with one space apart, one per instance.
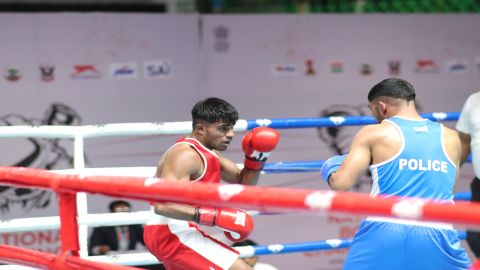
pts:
pixel 157 69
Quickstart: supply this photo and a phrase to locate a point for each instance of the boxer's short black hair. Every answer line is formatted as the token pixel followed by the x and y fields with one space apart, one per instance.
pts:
pixel 394 88
pixel 213 110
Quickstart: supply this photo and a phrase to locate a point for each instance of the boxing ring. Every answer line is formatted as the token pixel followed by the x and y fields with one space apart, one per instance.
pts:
pixel 72 185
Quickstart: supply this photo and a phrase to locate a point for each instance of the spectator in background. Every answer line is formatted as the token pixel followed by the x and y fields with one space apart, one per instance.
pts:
pixel 468 127
pixel 253 261
pixel 115 238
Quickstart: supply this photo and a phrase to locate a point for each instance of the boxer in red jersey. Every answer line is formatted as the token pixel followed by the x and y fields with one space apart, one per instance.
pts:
pixel 172 234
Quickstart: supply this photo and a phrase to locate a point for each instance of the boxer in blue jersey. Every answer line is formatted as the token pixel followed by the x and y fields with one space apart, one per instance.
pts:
pixel 407 156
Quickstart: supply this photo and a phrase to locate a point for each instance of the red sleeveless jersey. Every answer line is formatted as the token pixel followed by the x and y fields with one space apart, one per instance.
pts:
pixel 181 244
pixel 211 171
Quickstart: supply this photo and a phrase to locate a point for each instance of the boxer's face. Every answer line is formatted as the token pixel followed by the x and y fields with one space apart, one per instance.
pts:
pixel 218 135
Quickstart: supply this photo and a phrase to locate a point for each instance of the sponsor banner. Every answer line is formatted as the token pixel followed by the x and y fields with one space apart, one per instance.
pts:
pixel 285 70
pixel 426 66
pixel 12 74
pixel 221 34
pixel 310 67
pixel 127 70
pixel 85 71
pixel 457 66
pixel 47 72
pixel 336 67
pixel 366 69
pixel 157 69
pixel 394 67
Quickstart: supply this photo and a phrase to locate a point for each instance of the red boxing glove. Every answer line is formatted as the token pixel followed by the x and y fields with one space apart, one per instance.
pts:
pixel 257 145
pixel 237 224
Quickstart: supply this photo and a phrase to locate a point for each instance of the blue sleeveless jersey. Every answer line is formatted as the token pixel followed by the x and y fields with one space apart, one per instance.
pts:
pixel 421 168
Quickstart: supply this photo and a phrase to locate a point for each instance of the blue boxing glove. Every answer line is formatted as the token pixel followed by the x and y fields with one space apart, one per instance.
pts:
pixel 330 166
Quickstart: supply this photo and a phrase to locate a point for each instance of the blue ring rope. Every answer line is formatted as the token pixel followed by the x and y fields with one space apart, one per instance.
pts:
pixel 302 247
pixel 462 196
pixel 312 246
pixel 301 166
pixel 335 121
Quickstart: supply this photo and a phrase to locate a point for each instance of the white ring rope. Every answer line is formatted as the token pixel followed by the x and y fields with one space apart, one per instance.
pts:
pixel 91 220
pixel 107 130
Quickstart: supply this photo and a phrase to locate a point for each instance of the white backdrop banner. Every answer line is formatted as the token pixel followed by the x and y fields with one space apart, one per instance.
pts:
pixel 97 68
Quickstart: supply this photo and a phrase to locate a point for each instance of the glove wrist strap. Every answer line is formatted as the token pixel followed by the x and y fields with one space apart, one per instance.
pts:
pixel 205 215
pixel 253 165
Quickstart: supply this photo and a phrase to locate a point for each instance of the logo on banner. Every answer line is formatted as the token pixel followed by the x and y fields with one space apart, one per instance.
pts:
pixel 394 67
pixel 123 70
pixel 221 35
pixel 158 69
pixel 46 72
pixel 336 67
pixel 366 69
pixel 42 153
pixel 310 71
pixel 85 72
pixel 457 66
pixel 284 69
pixel 426 66
pixel 12 74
